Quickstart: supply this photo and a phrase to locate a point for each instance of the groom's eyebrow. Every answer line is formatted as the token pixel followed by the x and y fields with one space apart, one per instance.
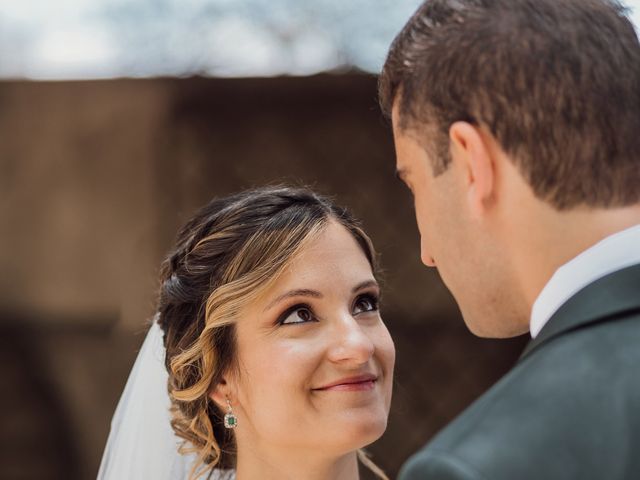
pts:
pixel 401 174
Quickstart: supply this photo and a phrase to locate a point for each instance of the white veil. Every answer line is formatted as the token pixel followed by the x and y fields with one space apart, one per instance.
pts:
pixel 141 443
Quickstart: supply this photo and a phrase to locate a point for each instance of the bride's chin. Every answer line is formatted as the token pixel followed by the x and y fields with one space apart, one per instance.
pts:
pixel 360 434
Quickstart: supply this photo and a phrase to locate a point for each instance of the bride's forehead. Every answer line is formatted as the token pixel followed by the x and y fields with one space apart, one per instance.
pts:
pixel 334 251
pixel 333 241
pixel 328 263
pixel 328 275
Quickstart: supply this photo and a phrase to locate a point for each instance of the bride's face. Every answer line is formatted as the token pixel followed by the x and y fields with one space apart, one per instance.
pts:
pixel 315 361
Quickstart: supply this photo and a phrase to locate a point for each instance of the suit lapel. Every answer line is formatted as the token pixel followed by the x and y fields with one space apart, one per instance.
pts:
pixel 605 299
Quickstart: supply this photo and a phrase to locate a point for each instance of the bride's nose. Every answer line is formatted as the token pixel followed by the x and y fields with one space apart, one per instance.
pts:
pixel 349 343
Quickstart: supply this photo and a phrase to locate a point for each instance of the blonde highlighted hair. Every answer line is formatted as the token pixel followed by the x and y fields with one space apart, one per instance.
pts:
pixel 230 252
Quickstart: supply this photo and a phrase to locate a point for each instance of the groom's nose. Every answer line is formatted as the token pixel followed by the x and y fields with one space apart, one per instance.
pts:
pixel 428 261
pixel 425 256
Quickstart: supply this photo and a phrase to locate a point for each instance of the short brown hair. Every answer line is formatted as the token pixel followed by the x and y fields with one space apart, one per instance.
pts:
pixel 556 82
pixel 225 256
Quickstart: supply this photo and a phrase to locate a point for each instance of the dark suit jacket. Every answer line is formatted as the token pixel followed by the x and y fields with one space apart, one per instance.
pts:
pixel 569 409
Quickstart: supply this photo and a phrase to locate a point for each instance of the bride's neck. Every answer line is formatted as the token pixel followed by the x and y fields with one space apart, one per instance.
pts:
pixel 295 465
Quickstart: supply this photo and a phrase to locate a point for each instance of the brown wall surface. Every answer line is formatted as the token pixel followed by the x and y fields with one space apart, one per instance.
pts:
pixel 95 178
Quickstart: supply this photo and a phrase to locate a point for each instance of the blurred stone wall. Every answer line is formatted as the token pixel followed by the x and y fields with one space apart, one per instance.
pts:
pixel 95 178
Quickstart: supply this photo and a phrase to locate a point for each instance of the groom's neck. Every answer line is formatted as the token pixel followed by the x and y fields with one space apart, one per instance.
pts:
pixel 552 238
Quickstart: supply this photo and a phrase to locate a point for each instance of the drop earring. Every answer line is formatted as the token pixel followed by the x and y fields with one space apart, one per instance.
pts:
pixel 230 419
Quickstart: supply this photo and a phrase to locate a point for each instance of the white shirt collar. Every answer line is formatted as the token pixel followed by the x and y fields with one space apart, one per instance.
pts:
pixel 613 253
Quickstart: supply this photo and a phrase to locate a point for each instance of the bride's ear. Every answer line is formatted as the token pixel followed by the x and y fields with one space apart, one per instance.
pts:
pixel 221 392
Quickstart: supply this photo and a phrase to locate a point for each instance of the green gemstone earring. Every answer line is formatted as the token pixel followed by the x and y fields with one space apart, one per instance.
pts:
pixel 230 420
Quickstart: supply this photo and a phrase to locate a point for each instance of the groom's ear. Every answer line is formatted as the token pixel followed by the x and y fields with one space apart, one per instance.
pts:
pixel 472 156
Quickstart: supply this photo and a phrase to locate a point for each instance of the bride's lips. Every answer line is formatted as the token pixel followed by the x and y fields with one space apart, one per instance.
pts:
pixel 351 384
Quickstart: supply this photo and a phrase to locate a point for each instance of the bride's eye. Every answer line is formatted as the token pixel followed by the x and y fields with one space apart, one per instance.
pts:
pixel 297 314
pixel 365 303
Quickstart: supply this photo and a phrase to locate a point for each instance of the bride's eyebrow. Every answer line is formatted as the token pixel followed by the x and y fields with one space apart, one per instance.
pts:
pixel 306 292
pixel 301 292
pixel 365 284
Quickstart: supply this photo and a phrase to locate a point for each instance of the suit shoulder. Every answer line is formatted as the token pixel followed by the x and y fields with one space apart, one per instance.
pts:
pixel 544 412
pixel 576 376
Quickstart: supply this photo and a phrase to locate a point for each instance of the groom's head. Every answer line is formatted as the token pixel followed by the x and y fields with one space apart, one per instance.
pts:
pixel 507 114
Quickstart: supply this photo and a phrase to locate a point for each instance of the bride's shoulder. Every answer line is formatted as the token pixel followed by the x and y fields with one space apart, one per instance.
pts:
pixel 223 475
